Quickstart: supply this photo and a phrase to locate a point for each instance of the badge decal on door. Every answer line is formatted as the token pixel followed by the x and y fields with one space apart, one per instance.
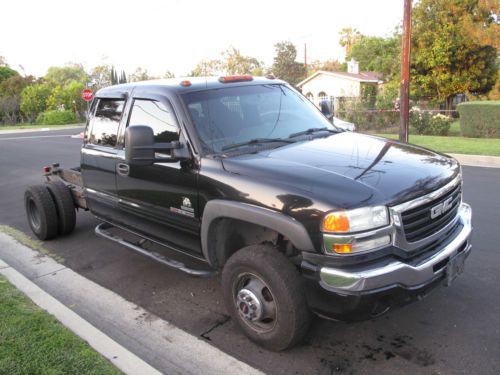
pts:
pixel 186 208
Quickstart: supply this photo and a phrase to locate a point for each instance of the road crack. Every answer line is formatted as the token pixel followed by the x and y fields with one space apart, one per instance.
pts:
pixel 218 323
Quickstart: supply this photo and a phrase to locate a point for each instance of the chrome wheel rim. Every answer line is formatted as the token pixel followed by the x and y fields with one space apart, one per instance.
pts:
pixel 255 302
pixel 34 214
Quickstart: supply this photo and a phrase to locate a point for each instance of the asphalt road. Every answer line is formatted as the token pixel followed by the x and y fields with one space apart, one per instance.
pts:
pixel 455 330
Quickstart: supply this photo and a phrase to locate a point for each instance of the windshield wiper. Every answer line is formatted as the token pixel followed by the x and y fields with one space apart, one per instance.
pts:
pixel 313 130
pixel 256 141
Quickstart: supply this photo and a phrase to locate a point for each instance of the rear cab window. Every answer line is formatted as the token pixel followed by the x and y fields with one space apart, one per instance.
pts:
pixel 105 122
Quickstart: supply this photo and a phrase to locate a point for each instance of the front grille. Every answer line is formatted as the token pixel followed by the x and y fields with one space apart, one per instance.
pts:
pixel 417 222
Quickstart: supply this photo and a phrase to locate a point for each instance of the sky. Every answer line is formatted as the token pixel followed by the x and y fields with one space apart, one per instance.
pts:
pixel 175 35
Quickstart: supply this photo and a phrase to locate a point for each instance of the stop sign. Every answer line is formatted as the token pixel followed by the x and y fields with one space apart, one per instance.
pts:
pixel 87 95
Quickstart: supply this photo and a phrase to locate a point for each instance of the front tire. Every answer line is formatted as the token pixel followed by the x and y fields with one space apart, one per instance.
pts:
pixel 264 294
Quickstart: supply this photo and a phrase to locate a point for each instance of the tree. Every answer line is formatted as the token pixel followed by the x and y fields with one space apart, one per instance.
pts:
pixel 6 73
pixel 483 23
pixel 14 85
pixel 100 76
pixel 328 66
pixel 168 74
pixel 348 36
pixel 284 66
pixel 61 76
pixel 378 54
pixel 140 74
pixel 233 62
pixel 10 97
pixel 123 78
pixel 207 68
pixel 447 59
pixel 34 99
pixel 112 76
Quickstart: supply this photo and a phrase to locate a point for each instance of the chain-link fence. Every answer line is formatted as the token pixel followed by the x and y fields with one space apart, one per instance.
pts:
pixel 373 115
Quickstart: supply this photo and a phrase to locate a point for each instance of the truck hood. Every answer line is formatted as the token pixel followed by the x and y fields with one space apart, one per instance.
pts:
pixel 350 169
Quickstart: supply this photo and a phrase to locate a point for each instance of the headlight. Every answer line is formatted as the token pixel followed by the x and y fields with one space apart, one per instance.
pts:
pixel 357 220
pixel 347 232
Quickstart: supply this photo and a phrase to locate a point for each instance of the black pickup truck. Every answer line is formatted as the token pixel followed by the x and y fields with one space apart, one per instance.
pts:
pixel 247 177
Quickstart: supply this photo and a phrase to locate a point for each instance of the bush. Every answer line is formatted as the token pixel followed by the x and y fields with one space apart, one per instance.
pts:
pixel 425 123
pixel 439 125
pixel 480 119
pixel 56 118
pixel 419 120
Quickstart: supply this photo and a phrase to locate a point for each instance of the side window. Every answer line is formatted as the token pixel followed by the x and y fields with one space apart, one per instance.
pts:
pixel 157 116
pixel 105 122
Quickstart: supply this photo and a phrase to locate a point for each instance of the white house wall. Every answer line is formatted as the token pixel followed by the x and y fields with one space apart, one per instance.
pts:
pixel 332 86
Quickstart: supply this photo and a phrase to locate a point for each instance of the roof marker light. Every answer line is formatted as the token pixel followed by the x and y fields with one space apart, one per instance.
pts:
pixel 185 83
pixel 237 78
pixel 270 76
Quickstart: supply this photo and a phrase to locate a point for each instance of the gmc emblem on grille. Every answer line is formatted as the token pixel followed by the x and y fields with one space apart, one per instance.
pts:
pixel 441 208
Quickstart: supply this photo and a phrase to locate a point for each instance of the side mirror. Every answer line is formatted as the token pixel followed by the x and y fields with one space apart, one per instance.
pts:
pixel 139 142
pixel 325 109
pixel 140 147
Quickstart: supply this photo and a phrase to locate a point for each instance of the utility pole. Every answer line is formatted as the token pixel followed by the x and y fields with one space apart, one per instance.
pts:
pixel 404 93
pixel 305 58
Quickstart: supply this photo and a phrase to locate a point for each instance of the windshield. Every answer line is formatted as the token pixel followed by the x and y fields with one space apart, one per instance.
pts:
pixel 233 115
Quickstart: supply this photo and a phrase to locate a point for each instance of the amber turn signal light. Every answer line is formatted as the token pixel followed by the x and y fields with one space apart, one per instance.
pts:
pixel 342 248
pixel 336 222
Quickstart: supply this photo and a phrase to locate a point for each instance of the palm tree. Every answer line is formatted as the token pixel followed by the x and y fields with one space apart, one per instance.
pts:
pixel 348 36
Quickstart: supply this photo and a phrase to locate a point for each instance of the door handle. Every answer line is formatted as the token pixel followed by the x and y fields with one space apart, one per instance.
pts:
pixel 123 169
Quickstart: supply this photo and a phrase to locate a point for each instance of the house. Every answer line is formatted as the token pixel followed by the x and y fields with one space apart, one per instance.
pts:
pixel 323 84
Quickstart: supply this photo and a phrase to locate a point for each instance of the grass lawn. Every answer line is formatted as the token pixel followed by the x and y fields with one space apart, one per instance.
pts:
pixel 455 145
pixel 34 342
pixel 455 130
pixel 33 126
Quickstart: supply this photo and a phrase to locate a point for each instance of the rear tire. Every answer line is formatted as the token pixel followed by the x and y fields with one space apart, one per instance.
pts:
pixel 264 294
pixel 41 212
pixel 66 213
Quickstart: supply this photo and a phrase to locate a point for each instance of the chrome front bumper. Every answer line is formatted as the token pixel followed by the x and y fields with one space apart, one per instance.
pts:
pixel 396 272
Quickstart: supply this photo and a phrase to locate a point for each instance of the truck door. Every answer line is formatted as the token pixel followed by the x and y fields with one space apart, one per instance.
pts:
pixel 98 156
pixel 159 201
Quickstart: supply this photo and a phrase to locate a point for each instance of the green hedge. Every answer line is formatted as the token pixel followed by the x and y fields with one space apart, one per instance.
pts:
pixel 480 119
pixel 56 118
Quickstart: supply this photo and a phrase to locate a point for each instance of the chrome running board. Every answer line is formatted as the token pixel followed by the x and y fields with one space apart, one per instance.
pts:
pixel 101 230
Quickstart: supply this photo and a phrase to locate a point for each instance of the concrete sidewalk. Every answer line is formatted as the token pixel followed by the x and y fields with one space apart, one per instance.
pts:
pixel 44 129
pixel 135 340
pixel 478 160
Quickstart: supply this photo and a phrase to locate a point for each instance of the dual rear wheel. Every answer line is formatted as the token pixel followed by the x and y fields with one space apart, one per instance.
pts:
pixel 50 209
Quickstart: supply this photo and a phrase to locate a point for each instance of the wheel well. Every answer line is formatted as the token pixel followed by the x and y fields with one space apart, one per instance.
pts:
pixel 228 235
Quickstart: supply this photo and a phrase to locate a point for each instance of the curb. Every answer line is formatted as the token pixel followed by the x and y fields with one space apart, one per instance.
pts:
pixel 125 360
pixel 46 129
pixel 478 160
pixel 134 340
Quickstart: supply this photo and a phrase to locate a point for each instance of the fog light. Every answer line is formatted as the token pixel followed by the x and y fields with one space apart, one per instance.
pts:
pixel 342 248
pixel 364 245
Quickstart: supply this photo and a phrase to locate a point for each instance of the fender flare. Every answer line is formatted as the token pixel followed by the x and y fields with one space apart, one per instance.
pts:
pixel 286 225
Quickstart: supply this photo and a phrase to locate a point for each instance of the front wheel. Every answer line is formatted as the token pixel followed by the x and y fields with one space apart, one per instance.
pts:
pixel 264 294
